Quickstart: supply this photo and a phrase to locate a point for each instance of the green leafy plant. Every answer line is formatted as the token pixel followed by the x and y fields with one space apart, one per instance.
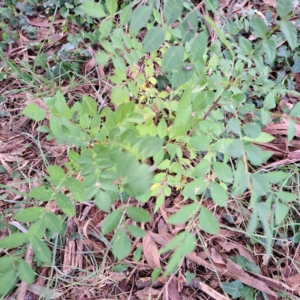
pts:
pixel 209 116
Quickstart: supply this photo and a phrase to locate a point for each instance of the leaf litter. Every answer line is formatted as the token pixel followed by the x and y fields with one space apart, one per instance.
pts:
pixel 24 153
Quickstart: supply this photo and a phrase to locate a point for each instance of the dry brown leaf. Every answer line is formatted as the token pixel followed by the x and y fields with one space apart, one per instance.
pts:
pixel 294 156
pixel 280 129
pixel 8 169
pixel 270 3
pixel 216 257
pixel 278 285
pixel 211 292
pixel 89 65
pixel 224 3
pixel 228 246
pixel 144 282
pixel 117 276
pixel 294 282
pixel 46 292
pixel 147 294
pixel 151 252
pixel 173 289
pixel 162 227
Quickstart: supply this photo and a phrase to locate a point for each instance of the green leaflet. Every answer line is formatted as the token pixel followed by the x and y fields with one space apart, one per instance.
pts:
pixel 208 222
pixel 172 10
pixel 34 112
pixel 259 27
pixel 140 17
pixel 93 9
pixel 183 214
pixel 121 244
pixel 153 39
pixel 111 221
pixel 290 32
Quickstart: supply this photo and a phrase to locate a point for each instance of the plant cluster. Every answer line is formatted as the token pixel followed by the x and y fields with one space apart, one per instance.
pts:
pixel 202 136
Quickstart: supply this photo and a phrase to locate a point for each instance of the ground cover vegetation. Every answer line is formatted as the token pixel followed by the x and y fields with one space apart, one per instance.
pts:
pixel 149 149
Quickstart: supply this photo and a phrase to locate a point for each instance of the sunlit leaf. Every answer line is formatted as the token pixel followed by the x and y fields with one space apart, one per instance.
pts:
pixel 183 214
pixel 218 194
pixel 25 272
pixel 136 231
pixel 223 171
pixel 14 240
pixel 65 204
pixel 269 101
pixel 93 9
pixel 284 8
pixel 121 244
pixel 112 6
pixel 260 184
pixel 7 282
pixel 56 174
pixel 281 211
pixel 185 243
pixel 138 214
pixel 235 149
pixel 42 192
pixel 208 221
pixel 52 222
pixel 29 214
pixel 286 197
pixel 34 112
pixel 111 221
pixel 41 250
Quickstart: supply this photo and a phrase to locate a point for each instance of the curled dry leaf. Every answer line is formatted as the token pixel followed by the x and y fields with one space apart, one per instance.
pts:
pixel 294 282
pixel 162 227
pixel 228 246
pixel 151 252
pixel 117 276
pixel 89 66
pixel 216 257
pixel 43 291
